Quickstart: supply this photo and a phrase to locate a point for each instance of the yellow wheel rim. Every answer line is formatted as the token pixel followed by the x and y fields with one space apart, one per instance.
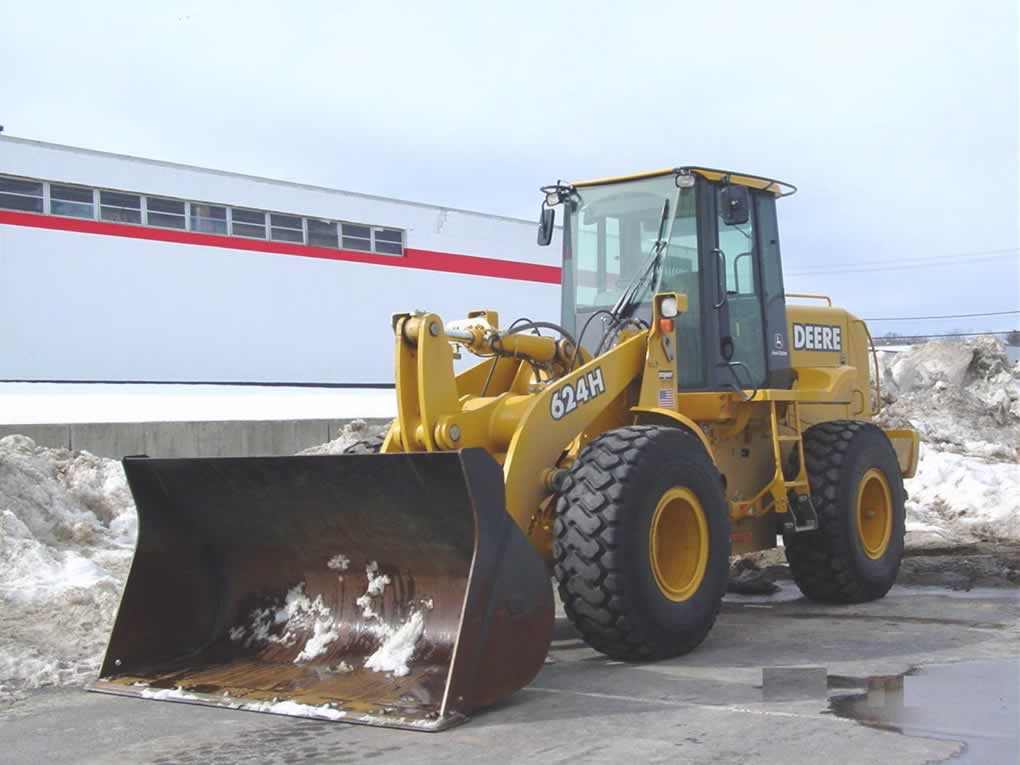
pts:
pixel 874 513
pixel 678 544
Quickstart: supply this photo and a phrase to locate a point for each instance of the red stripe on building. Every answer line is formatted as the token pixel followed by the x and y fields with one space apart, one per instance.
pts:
pixel 427 260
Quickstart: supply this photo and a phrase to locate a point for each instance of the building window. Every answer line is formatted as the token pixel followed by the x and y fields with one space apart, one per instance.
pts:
pixel 165 213
pixel 357 237
pixel 73 201
pixel 285 228
pixel 389 241
pixel 16 194
pixel 120 208
pixel 323 233
pixel 249 223
pixel 209 219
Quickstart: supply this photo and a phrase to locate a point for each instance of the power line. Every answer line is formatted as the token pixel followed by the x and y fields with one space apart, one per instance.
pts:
pixel 968 254
pixel 945 316
pixel 933 263
pixel 997 253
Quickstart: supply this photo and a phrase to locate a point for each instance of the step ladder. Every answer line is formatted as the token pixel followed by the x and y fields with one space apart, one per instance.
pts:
pixel 775 496
pixel 801 512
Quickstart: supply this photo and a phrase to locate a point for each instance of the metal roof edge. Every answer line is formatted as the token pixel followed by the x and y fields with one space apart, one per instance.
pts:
pixel 761 182
pixel 257 178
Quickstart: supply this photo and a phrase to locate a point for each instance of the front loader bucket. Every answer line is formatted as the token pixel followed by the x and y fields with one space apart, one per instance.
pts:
pixel 388 589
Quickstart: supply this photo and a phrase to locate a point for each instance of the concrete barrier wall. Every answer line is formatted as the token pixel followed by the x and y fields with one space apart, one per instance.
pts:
pixel 234 438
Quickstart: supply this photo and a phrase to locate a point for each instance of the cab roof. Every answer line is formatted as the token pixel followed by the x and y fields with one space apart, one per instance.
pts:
pixel 779 188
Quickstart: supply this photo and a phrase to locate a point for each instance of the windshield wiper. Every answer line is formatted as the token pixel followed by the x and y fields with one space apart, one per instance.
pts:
pixel 629 301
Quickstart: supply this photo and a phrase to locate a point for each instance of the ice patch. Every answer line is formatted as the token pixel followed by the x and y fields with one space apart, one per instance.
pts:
pixel 293 708
pixel 169 693
pixel 396 650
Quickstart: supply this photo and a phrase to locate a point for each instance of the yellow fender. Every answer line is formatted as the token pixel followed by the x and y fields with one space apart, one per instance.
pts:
pixel 681 420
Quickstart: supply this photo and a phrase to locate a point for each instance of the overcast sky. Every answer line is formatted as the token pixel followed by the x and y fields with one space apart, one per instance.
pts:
pixel 897 120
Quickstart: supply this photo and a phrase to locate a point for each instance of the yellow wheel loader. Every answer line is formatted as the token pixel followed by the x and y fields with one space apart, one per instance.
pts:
pixel 679 411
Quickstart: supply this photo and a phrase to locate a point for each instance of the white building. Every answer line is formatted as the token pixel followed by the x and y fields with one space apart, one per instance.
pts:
pixel 115 268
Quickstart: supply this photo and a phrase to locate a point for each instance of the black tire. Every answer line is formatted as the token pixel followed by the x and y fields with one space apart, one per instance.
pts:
pixel 370 445
pixel 601 554
pixel 831 564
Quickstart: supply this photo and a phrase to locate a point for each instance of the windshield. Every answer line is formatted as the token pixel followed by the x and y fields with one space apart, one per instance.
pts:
pixel 614 228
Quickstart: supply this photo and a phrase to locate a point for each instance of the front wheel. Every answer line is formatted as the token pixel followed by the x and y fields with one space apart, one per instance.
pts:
pixel 642 543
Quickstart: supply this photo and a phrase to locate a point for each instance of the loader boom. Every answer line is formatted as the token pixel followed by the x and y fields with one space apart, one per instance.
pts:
pixel 524 419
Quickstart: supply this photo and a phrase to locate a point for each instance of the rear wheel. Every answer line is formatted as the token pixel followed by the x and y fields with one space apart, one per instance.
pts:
pixel 857 490
pixel 642 543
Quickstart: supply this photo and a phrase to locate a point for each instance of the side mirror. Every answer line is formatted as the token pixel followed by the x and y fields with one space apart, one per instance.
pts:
pixel 545 225
pixel 734 205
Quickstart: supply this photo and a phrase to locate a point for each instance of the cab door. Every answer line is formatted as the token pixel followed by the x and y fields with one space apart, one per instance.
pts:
pixel 739 305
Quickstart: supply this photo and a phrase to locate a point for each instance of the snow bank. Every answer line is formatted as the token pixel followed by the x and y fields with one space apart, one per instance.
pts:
pixel 964 400
pixel 961 396
pixel 67 531
pixel 959 497
pixel 351 433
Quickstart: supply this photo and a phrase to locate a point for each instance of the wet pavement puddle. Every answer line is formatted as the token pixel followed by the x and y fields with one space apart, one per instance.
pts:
pixel 974 702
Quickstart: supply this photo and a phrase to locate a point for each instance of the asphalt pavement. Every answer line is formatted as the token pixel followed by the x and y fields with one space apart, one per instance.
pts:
pixel 924 675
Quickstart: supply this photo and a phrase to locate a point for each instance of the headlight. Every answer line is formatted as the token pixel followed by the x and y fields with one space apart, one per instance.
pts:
pixel 668 308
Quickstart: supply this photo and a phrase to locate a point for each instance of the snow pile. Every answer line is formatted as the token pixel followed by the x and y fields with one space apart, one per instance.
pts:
pixel 963 397
pixel 961 498
pixel 67 531
pixel 351 433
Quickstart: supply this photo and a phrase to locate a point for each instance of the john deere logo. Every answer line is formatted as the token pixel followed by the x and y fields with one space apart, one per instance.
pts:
pixel 817 337
pixel 779 345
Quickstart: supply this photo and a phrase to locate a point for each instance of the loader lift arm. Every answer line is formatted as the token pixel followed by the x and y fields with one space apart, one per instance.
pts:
pixel 533 409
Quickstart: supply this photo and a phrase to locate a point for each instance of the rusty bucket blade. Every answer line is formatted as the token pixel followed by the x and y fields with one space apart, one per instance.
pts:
pixel 387 589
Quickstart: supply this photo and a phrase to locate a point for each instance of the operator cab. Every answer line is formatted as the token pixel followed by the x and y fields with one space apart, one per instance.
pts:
pixel 709 234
